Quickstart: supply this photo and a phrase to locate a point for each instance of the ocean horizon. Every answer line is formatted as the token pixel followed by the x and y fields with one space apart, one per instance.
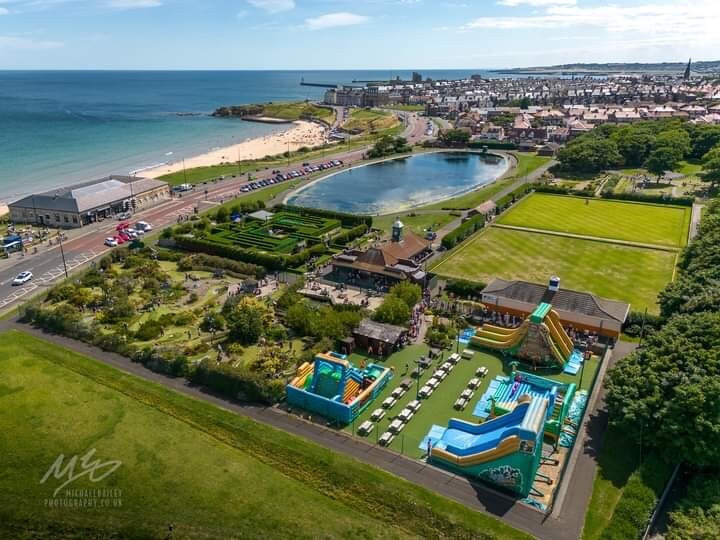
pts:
pixel 63 127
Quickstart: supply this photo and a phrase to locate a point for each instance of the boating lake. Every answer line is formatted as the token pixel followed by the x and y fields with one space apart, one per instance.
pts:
pixel 398 184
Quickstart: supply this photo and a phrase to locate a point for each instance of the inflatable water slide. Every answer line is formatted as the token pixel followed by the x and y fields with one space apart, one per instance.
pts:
pixel 505 451
pixel 540 339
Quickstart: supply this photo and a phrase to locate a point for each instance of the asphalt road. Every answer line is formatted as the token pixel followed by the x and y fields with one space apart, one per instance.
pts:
pixel 86 244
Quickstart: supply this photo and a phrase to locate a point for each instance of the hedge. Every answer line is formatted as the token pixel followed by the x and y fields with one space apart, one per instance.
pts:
pixel 638 500
pixel 350 234
pixel 347 220
pixel 647 198
pixel 464 288
pixel 473 224
pixel 237 383
pixel 515 195
pixel 559 190
pixel 210 263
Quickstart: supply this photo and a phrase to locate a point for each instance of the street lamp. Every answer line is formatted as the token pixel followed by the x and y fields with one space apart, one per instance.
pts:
pixel 62 254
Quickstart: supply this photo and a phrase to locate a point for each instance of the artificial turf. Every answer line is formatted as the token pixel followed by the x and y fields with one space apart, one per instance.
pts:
pixel 206 471
pixel 631 274
pixel 438 408
pixel 664 225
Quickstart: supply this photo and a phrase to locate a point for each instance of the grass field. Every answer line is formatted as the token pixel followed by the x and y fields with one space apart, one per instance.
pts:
pixel 613 271
pixel 647 223
pixel 370 120
pixel 438 408
pixel 207 471
pixel 417 223
pixel 297 110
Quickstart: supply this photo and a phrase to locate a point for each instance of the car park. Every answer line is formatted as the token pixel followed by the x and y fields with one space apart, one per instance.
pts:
pixel 22 278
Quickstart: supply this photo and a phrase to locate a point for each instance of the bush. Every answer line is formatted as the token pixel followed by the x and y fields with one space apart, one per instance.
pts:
pixel 648 198
pixel 347 220
pixel 211 263
pixel 237 383
pixel 150 329
pixel 470 226
pixel 465 288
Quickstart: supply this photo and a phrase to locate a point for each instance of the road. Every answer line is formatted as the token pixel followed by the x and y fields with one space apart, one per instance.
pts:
pixel 86 244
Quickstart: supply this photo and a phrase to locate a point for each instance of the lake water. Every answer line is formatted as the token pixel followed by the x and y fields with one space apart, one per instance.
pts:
pixel 398 184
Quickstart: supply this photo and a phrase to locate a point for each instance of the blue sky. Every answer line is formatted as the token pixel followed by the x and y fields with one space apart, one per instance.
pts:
pixel 350 34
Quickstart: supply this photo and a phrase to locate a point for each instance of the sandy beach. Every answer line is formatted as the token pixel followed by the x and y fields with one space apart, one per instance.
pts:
pixel 298 134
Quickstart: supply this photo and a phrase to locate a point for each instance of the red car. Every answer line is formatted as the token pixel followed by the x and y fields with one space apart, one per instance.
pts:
pixel 119 239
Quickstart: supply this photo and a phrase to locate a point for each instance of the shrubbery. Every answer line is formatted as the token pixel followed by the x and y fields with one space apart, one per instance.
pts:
pixel 465 288
pixel 470 226
pixel 210 263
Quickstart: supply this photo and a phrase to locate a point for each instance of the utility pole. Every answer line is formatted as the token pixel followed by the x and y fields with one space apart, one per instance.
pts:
pixel 62 254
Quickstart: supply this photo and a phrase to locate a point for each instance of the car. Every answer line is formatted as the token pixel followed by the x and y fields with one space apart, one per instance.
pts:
pixel 183 187
pixel 22 278
pixel 124 215
pixel 111 242
pixel 119 239
pixel 143 226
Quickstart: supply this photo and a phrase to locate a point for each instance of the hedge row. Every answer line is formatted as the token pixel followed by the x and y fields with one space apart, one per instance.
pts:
pixel 515 195
pixel 202 261
pixel 464 288
pixel 638 501
pixel 238 383
pixel 560 190
pixel 347 220
pixel 350 234
pixel 473 224
pixel 646 197
pixel 270 261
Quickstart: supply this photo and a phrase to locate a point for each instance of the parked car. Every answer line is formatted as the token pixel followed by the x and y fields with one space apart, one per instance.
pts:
pixel 111 242
pixel 143 226
pixel 22 278
pixel 183 187
pixel 123 216
pixel 119 239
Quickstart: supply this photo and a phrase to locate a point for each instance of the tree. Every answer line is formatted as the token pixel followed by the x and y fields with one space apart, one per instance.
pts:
pixel 660 160
pixel 410 293
pixel 455 137
pixel 393 310
pixel 711 165
pixel 677 139
pixel 670 390
pixel 590 154
pixel 633 144
pixel 247 319
pixel 698 514
pixel 221 216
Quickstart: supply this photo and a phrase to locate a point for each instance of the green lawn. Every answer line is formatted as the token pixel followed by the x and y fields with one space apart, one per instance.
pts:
pixel 438 408
pixel 297 110
pixel 209 472
pixel 417 223
pixel 367 120
pixel 527 163
pixel 689 168
pixel 613 271
pixel 636 222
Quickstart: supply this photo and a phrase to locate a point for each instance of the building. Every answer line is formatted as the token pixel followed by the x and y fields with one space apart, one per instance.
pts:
pixel 380 267
pixel 579 310
pixel 378 338
pixel 81 204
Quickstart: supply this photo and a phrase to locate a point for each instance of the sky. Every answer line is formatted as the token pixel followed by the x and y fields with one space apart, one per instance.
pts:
pixel 351 34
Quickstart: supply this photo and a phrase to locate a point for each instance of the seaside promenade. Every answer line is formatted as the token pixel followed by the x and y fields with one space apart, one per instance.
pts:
pixel 85 245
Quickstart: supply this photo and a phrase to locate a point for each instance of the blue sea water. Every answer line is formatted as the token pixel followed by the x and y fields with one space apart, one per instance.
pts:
pixel 62 127
pixel 398 184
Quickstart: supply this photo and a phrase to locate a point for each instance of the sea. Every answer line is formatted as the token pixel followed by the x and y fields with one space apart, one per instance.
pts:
pixel 62 127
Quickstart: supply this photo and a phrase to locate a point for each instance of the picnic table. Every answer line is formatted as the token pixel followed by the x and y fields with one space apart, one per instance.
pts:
pixel 414 405
pixel 377 414
pixel 366 427
pixel 473 383
pixel 389 402
pixel 396 426
pixel 425 391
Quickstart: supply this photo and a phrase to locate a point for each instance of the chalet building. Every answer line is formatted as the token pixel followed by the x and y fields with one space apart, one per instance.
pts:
pixel 579 310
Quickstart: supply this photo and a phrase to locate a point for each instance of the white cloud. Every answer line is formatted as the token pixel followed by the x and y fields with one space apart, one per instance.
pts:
pixel 273 6
pixel 332 20
pixel 13 43
pixel 4 11
pixel 134 4
pixel 676 18
pixel 536 3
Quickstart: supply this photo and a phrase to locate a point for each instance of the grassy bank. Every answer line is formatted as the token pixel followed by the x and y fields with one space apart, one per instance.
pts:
pixel 206 470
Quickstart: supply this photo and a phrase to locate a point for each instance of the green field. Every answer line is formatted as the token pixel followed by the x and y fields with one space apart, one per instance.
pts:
pixel 613 271
pixel 370 120
pixel 418 223
pixel 635 222
pixel 438 408
pixel 207 471
pixel 297 110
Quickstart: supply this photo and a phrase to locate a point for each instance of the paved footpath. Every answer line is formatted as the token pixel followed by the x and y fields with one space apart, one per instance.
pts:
pixel 565 524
